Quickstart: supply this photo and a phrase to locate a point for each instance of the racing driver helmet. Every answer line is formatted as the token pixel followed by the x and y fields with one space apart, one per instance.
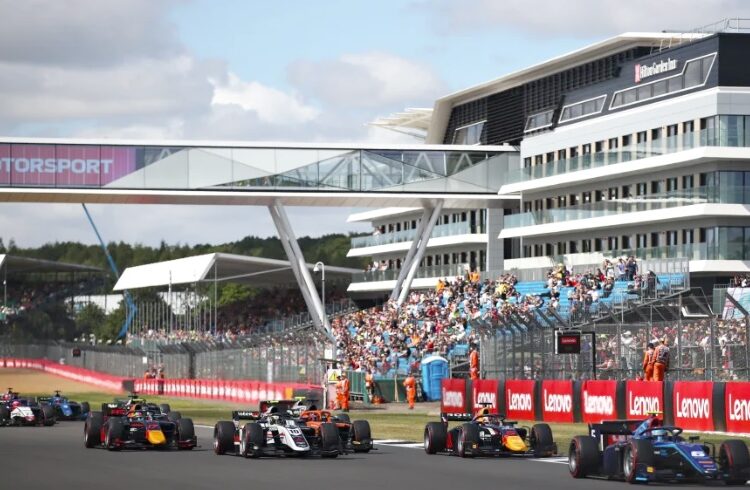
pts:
pixel 659 434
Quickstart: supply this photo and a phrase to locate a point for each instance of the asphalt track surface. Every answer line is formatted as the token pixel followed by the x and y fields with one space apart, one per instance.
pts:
pixel 54 457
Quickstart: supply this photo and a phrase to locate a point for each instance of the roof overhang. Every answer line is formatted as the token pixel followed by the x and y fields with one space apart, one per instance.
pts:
pixel 222 267
pixel 443 106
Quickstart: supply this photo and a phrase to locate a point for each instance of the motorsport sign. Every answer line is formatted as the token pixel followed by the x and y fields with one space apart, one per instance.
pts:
pixel 655 68
pixel 64 165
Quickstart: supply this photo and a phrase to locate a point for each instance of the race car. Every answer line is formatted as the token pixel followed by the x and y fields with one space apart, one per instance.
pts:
pixel 137 426
pixel 487 434
pixel 17 411
pixel 643 451
pixel 274 430
pixel 354 436
pixel 65 409
pixel 134 399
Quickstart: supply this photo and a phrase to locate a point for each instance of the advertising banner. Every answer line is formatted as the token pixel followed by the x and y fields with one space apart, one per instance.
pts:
pixel 598 400
pixel 453 399
pixel 519 399
pixel 484 391
pixel 737 406
pixel 692 405
pixel 642 397
pixel 557 401
pixel 64 165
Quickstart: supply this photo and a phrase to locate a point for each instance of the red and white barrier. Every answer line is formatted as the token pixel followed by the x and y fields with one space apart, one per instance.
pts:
pixel 238 391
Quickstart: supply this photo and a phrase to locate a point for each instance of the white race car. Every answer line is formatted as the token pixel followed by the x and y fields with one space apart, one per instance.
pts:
pixel 19 411
pixel 274 432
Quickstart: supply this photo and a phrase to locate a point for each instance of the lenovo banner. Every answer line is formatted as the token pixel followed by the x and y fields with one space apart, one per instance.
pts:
pixel 737 406
pixel 484 391
pixel 692 405
pixel 642 397
pixel 519 399
pixel 557 401
pixel 64 165
pixel 453 397
pixel 598 400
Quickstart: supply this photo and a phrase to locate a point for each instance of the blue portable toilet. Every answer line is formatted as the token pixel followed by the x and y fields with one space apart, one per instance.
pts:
pixel 434 370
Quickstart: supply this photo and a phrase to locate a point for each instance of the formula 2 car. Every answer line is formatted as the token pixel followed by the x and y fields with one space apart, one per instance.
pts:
pixel 136 426
pixel 65 409
pixel 487 434
pixel 17 411
pixel 643 451
pixel 274 430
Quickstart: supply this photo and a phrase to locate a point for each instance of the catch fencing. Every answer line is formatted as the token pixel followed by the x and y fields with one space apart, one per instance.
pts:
pixel 294 356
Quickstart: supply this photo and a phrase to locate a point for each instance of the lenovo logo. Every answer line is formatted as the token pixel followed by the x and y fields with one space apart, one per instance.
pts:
pixel 519 401
pixel 642 405
pixel 693 408
pixel 557 403
pixel 598 404
pixel 485 397
pixel 739 410
pixel 453 398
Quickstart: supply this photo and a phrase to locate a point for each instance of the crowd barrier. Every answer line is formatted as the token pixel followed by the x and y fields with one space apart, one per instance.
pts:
pixel 223 390
pixel 692 405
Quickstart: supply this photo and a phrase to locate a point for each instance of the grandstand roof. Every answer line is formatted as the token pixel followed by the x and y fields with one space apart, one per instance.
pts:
pixel 18 264
pixel 255 271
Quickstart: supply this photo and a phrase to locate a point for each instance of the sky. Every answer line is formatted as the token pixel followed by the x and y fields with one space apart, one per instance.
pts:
pixel 288 70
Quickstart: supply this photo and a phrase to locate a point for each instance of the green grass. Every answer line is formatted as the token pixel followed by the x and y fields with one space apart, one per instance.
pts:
pixel 400 426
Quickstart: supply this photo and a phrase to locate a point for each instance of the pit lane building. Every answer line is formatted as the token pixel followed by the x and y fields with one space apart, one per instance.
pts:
pixel 639 144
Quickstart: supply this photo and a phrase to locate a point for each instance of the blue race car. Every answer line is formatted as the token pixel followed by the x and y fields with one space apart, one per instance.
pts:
pixel 65 409
pixel 642 451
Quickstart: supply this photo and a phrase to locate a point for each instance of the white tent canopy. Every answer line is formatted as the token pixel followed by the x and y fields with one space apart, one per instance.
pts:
pixel 221 267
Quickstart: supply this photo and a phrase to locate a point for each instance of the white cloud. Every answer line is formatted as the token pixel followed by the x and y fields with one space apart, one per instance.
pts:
pixel 367 80
pixel 582 18
pixel 272 106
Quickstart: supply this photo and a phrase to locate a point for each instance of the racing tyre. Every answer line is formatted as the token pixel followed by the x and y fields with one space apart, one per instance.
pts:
pixel 344 417
pixel 165 408
pixel 252 438
pixel 734 460
pixel 4 414
pixel 85 408
pixel 583 456
pixel 638 452
pixel 48 415
pixel 329 440
pixel 174 416
pixel 468 439
pixel 185 431
pixel 223 437
pixel 114 432
pixel 435 437
pixel 361 433
pixel 92 429
pixel 541 440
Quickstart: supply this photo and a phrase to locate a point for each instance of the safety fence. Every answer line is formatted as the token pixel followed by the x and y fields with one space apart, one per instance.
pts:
pixel 700 349
pixel 209 389
pixel 691 405
pixel 294 356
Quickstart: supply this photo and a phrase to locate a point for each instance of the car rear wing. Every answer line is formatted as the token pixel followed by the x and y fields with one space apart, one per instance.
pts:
pixel 615 427
pixel 245 415
pixel 113 410
pixel 43 399
pixel 456 417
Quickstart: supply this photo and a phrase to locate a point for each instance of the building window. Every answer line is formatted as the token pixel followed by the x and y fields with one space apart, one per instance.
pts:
pixel 538 159
pixel 613 143
pixel 656 134
pixel 655 186
pixel 598 146
pixel 573 151
pixel 573 246
pixel 687 236
pixel 613 191
pixel 641 137
pixel 625 239
pixel 573 199
pixel 527 162
pixel 626 140
pixel 687 182
pixel 641 189
pixel 586 197
pixel 549 249
pixel 625 191
pixel 551 156
pixel 671 184
pixel 671 238
pixel 586 246
pixel 582 109
pixel 640 240
pixel 598 245
pixel 612 242
pixel 539 121
pixel 469 135
pixel 655 239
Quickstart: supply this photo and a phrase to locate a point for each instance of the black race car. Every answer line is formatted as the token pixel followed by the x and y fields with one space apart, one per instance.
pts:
pixel 137 425
pixel 643 451
pixel 487 434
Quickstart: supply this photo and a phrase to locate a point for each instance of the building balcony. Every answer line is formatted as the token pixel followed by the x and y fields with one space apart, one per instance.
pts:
pixel 722 193
pixel 450 229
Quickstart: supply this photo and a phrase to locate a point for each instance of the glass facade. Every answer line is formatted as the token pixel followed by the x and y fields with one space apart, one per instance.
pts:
pixel 726 131
pixel 227 168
